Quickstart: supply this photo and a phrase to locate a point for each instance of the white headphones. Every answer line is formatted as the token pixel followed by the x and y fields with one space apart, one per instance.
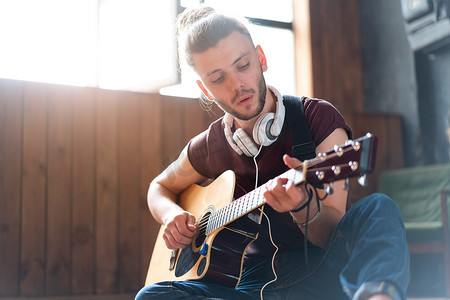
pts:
pixel 266 130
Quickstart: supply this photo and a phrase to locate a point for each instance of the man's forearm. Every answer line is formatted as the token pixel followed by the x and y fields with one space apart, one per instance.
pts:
pixel 321 228
pixel 161 202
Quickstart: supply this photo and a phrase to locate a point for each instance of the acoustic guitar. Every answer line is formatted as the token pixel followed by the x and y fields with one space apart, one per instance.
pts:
pixel 225 228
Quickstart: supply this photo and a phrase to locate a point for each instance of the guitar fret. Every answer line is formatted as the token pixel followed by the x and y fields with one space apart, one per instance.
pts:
pixel 217 220
pixel 243 205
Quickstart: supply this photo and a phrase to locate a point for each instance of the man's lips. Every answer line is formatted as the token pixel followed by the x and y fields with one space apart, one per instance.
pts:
pixel 245 100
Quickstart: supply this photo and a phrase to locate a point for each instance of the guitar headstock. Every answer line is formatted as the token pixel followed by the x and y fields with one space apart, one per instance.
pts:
pixel 354 158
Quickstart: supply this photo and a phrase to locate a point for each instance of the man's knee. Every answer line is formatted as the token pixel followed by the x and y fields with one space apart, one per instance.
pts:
pixel 377 203
pixel 154 290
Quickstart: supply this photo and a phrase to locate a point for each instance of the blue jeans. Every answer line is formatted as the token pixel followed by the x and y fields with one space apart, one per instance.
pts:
pixel 367 254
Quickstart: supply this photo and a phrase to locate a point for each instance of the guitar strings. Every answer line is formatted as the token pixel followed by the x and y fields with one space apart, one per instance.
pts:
pixel 204 222
pixel 202 225
pixel 226 214
pixel 325 168
pixel 328 156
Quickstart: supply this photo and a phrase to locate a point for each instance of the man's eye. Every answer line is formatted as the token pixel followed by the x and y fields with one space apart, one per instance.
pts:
pixel 244 66
pixel 217 80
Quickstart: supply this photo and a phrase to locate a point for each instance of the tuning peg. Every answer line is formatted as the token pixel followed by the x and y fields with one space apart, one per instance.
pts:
pixel 329 189
pixel 362 180
pixel 338 150
pixel 346 186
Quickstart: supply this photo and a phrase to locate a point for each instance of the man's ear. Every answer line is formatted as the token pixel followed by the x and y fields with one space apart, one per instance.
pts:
pixel 262 58
pixel 204 90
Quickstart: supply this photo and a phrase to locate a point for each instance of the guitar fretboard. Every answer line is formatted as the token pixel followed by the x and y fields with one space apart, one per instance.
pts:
pixel 245 204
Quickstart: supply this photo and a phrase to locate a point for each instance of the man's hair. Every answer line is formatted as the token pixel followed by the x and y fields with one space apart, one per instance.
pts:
pixel 201 28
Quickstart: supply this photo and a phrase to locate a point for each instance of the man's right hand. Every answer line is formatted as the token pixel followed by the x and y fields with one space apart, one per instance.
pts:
pixel 179 231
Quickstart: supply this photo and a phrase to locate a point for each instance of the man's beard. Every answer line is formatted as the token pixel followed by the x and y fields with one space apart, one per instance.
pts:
pixel 261 101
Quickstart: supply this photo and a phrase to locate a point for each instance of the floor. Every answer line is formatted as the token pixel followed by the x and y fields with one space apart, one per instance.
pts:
pixel 427 283
pixel 427 278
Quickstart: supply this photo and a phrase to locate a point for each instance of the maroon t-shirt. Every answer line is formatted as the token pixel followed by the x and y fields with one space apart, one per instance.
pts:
pixel 211 155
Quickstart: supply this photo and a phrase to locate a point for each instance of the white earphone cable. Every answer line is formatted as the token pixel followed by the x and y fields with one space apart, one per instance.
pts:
pixel 269 228
pixel 256 167
pixel 273 257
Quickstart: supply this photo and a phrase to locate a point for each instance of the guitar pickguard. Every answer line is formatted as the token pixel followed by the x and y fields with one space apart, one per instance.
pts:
pixel 186 261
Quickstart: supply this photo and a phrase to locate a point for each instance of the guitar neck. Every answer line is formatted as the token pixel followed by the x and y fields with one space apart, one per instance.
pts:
pixel 354 158
pixel 246 203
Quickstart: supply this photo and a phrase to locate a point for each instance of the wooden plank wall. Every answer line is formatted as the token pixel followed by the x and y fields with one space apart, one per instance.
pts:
pixel 336 53
pixel 389 154
pixel 75 164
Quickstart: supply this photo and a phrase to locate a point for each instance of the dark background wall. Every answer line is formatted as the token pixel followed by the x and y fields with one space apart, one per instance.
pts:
pixel 416 85
pixel 390 84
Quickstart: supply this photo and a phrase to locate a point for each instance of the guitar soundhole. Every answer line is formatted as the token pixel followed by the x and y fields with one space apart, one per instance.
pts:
pixel 201 236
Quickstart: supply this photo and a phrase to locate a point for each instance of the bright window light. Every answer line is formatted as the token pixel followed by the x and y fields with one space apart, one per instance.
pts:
pixel 123 44
pixel 278 46
pixel 47 41
pixel 137 44
pixel 114 44
pixel 280 10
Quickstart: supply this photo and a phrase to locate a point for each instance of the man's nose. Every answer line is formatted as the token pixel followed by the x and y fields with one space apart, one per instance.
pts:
pixel 236 82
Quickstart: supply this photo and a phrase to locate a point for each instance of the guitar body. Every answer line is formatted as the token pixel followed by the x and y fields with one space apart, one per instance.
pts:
pixel 226 246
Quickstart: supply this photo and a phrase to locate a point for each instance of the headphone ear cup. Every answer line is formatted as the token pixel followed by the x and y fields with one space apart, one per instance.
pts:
pixel 245 143
pixel 261 130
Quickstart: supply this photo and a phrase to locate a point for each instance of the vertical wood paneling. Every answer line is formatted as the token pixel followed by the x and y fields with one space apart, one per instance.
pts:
pixel 389 151
pixel 349 70
pixel 151 137
pixel 11 108
pixel 129 192
pixel 34 181
pixel 336 53
pixel 302 44
pixel 172 130
pixel 83 205
pixel 316 47
pixel 59 198
pixel 329 50
pixel 73 190
pixel 107 188
pixel 193 125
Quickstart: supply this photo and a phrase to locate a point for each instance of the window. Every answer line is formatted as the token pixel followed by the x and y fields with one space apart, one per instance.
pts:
pixel 125 44
pixel 137 46
pixel 105 43
pixel 47 41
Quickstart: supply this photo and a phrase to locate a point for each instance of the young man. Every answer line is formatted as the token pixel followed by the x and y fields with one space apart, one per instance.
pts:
pixel 356 254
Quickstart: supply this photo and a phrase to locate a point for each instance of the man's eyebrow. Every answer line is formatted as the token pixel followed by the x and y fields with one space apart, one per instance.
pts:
pixel 240 57
pixel 234 62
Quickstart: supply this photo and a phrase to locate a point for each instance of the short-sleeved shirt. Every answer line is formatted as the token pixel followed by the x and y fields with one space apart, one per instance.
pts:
pixel 211 155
